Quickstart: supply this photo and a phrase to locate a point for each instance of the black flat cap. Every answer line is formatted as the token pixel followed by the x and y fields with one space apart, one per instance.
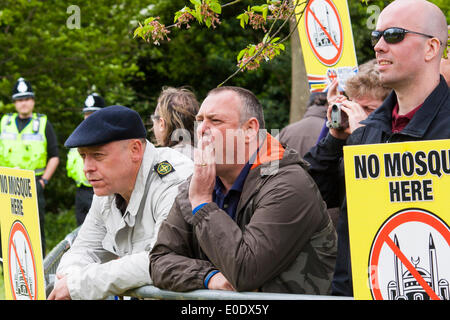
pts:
pixel 106 125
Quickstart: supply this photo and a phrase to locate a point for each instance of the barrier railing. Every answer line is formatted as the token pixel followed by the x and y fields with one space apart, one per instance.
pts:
pixel 152 292
pixel 52 259
pixel 51 262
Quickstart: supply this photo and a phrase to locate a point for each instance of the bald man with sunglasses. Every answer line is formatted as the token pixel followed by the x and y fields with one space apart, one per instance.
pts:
pixel 409 41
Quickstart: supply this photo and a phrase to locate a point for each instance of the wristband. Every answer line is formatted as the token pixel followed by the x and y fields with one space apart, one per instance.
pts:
pixel 198 208
pixel 208 277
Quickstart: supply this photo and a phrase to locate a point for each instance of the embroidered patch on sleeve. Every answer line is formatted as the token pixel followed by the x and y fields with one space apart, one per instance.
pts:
pixel 164 168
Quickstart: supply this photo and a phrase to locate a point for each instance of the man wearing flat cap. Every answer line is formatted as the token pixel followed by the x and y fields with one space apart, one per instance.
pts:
pixel 135 185
pixel 74 165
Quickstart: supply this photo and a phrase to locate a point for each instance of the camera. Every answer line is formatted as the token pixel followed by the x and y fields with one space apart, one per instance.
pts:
pixel 336 116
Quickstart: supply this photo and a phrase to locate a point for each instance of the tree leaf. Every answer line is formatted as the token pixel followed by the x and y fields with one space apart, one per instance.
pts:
pixel 148 20
pixel 137 32
pixel 241 54
pixel 196 2
pixel 215 7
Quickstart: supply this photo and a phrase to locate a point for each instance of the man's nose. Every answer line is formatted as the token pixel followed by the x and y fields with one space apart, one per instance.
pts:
pixel 202 126
pixel 381 45
pixel 89 164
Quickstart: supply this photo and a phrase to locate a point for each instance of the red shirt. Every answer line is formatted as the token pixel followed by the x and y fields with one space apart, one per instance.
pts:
pixel 399 122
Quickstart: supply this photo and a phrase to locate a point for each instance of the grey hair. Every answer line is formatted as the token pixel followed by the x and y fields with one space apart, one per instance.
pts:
pixel 250 107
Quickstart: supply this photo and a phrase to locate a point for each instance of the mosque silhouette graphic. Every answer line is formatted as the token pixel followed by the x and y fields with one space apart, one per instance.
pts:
pixel 320 37
pixel 406 287
pixel 23 282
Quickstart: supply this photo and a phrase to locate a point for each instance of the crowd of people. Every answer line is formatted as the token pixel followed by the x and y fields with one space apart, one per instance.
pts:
pixel 215 202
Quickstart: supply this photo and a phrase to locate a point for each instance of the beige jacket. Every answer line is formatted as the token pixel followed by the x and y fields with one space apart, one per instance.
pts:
pixel 110 253
pixel 186 149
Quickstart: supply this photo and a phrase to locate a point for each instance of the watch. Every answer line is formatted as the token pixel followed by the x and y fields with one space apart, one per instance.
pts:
pixel 45 181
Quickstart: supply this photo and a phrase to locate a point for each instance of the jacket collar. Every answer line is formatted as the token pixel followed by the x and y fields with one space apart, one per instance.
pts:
pixel 419 124
pixel 270 158
pixel 138 192
pixel 270 150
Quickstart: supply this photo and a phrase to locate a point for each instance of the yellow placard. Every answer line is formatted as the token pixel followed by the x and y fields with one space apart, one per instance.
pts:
pixel 21 238
pixel 327 43
pixel 399 217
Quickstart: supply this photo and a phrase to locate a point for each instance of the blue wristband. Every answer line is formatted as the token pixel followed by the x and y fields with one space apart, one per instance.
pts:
pixel 208 277
pixel 198 208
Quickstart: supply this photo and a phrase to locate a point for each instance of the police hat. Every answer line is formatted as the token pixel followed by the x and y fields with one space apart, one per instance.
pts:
pixel 106 125
pixel 93 102
pixel 22 89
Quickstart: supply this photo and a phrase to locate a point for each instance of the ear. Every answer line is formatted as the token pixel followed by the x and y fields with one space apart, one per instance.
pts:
pixel 251 129
pixel 432 49
pixel 162 123
pixel 136 148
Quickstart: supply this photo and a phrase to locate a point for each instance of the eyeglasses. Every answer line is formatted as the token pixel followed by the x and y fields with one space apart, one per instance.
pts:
pixel 155 117
pixel 393 35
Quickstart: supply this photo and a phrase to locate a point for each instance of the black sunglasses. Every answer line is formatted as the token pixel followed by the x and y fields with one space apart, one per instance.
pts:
pixel 393 35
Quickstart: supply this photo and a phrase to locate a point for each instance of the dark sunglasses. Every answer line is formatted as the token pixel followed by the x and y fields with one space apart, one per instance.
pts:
pixel 393 35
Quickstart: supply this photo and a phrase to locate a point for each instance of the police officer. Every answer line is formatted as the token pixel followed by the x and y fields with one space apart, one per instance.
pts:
pixel 74 166
pixel 28 141
pixel 135 185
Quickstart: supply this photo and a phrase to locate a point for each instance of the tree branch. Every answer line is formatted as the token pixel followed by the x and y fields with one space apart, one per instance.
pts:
pixel 297 3
pixel 230 3
pixel 296 24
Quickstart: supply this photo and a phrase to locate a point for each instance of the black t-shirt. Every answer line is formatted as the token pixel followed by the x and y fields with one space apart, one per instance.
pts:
pixel 50 135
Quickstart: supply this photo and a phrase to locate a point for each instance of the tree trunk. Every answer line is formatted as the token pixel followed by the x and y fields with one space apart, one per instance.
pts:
pixel 300 88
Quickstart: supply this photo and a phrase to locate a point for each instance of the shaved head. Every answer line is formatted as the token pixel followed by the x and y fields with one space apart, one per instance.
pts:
pixel 421 16
pixel 410 65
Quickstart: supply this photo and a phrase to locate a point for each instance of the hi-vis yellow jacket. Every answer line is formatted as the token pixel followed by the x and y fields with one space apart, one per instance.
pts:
pixel 26 149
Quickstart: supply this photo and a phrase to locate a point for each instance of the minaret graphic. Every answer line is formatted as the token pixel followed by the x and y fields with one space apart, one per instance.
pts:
pixel 320 38
pixel 23 282
pixel 406 287
pixel 433 265
pixel 398 270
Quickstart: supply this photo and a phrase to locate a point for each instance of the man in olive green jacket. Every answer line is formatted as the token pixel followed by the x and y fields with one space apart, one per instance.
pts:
pixel 250 218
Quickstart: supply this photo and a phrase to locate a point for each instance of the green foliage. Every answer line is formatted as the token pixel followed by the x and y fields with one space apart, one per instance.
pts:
pixel 244 18
pixel 252 56
pixel 202 58
pixel 208 11
pixel 65 64
pixel 361 17
pixel 57 226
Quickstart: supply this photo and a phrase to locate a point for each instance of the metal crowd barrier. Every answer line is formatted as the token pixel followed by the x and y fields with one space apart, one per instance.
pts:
pixel 152 292
pixel 51 262
pixel 52 259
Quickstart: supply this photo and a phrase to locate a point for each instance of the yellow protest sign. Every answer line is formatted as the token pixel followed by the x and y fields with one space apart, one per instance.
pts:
pixel 327 42
pixel 21 238
pixel 398 216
